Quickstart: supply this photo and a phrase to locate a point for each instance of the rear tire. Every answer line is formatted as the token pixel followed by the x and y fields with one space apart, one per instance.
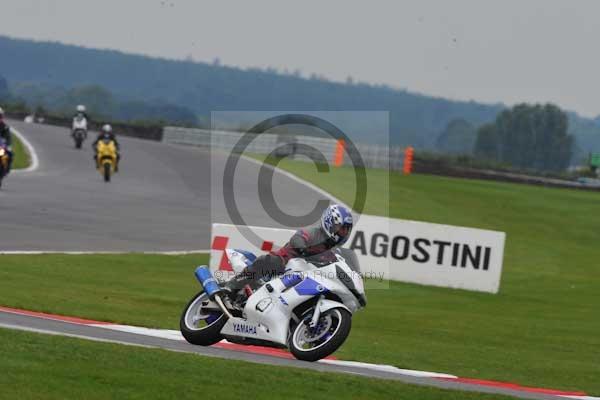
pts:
pixel 338 335
pixel 106 172
pixel 78 143
pixel 202 336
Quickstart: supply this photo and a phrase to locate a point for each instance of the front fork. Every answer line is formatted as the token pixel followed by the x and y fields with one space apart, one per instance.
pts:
pixel 317 314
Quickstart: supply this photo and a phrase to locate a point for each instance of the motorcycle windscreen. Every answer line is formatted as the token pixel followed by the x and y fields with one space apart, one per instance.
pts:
pixel 322 259
pixel 350 257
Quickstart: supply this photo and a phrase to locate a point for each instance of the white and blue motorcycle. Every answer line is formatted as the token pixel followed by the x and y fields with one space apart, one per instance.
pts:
pixel 79 130
pixel 308 309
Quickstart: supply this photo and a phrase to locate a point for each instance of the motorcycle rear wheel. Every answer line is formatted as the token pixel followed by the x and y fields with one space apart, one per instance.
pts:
pixel 192 320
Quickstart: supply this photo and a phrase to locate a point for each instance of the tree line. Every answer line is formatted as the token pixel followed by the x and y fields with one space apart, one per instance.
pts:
pixel 524 136
pixel 101 104
pixel 201 88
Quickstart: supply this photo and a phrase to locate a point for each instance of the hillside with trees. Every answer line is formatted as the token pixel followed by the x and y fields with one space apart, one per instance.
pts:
pixel 135 86
pixel 102 104
pixel 414 119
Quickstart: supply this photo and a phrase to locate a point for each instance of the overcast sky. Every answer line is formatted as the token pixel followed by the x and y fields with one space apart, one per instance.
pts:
pixel 493 51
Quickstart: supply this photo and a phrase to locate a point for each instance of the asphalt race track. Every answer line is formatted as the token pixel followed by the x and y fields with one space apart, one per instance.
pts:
pixel 159 201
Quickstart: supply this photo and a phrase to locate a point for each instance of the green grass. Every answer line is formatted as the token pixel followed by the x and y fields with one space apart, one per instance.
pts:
pixel 20 154
pixel 148 290
pixel 521 337
pixel 36 366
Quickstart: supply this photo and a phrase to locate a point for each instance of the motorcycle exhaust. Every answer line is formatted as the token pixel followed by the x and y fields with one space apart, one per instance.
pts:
pixel 211 287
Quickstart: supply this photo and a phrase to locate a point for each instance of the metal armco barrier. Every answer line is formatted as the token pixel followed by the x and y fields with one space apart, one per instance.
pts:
pixel 374 156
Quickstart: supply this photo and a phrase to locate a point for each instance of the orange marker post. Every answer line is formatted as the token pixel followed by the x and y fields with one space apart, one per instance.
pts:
pixel 338 156
pixel 408 160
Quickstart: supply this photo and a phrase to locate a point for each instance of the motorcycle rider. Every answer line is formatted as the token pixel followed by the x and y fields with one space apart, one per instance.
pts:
pixel 6 134
pixel 82 112
pixel 333 231
pixel 106 132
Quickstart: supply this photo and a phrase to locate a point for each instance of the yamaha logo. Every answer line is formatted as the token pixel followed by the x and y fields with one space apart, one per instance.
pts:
pixel 243 328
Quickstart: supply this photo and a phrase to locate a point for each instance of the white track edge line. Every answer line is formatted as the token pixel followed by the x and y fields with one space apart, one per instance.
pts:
pixel 389 368
pixel 35 163
pixel 297 179
pixel 95 339
pixel 176 335
pixel 73 335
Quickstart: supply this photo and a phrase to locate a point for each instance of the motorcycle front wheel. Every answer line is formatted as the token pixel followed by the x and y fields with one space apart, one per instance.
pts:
pixel 314 343
pixel 201 327
pixel 107 172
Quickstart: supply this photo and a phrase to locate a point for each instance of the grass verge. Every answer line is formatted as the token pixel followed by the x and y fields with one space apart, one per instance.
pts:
pixel 21 156
pixel 92 370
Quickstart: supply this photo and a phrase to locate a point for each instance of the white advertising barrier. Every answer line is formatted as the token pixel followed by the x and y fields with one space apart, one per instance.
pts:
pixel 429 254
pixel 399 250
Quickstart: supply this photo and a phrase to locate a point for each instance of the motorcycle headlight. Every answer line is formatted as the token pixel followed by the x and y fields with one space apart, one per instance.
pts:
pixel 2 152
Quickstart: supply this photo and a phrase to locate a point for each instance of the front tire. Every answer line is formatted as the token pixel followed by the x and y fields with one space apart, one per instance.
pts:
pixel 107 172
pixel 330 333
pixel 1 173
pixel 201 328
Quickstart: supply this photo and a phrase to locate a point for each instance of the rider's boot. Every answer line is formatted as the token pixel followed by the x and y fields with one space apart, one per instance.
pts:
pixel 264 266
pixel 244 280
pixel 238 282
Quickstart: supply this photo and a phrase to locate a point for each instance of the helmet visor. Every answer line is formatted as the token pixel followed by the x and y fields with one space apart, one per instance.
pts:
pixel 342 232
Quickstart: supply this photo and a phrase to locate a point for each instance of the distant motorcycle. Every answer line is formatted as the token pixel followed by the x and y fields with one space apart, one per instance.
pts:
pixel 4 159
pixel 308 309
pixel 106 157
pixel 79 130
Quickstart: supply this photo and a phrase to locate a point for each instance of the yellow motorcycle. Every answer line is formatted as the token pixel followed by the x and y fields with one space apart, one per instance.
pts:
pixel 106 157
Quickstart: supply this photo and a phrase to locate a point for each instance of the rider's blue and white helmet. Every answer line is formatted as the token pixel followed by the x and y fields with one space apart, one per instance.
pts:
pixel 337 223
